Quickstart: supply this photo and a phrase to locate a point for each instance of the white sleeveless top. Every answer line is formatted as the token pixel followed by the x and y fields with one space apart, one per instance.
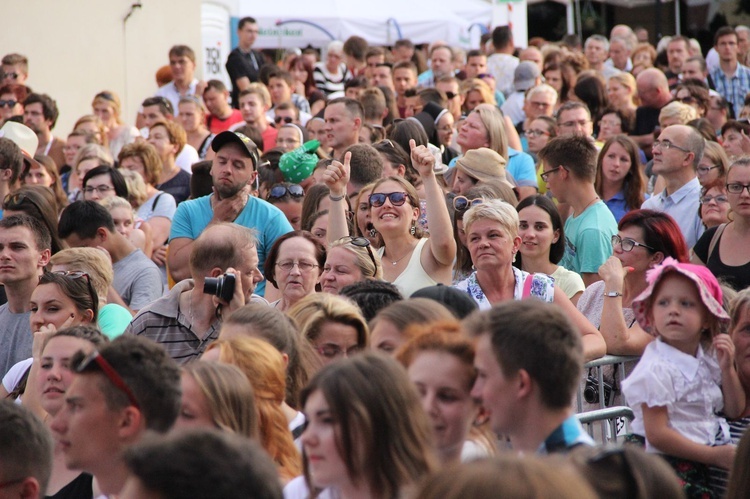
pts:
pixel 414 276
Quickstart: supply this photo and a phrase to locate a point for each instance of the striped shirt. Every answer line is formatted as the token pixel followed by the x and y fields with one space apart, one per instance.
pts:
pixel 733 88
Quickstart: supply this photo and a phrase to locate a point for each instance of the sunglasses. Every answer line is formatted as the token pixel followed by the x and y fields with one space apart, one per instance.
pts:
pixel 12 76
pixel 362 242
pixel 279 191
pixel 462 203
pixel 106 96
pixel 451 95
pixel 396 198
pixel 72 274
pixel 8 103
pixel 16 201
pixel 285 119
pixel 96 358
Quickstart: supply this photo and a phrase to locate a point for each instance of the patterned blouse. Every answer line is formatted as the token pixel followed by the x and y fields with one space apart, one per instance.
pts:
pixel 542 288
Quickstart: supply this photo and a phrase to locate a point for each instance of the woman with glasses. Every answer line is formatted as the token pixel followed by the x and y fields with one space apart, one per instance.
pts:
pixel 333 325
pixel 289 199
pixel 721 248
pixel 614 122
pixel 45 388
pixel 644 239
pixel 713 165
pixel 12 96
pixel 543 244
pixel 192 116
pixel 348 260
pixel 263 366
pixel 540 131
pixel 693 95
pixel 619 177
pixel 106 105
pixel 293 266
pixel 493 241
pixel 367 436
pixel 410 261
pixel 714 208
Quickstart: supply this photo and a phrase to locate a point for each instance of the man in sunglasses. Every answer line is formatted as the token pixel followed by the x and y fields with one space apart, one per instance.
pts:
pixel 129 387
pixel 25 246
pixel 15 69
pixel 233 171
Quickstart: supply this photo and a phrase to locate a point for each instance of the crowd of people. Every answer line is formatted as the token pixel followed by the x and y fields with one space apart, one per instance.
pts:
pixel 379 272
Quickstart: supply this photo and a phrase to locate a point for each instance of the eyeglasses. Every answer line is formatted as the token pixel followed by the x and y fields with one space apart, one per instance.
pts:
pixel 738 188
pixel 462 203
pixel 76 274
pixel 101 189
pixel 571 124
pixel 545 175
pixel 702 170
pixel 334 351
pixel 302 266
pixel 666 145
pixel 285 119
pixel 279 191
pixel 717 199
pixel 396 198
pixel 628 244
pixel 485 75
pixel 610 123
pixel 536 133
pixel 110 373
pixel 362 242
pixel 8 103
pixel 16 201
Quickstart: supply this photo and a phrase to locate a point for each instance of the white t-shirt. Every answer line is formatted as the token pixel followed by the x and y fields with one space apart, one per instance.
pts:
pixel 165 207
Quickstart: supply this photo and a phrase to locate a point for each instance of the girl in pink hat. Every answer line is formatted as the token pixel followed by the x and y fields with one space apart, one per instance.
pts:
pixel 687 375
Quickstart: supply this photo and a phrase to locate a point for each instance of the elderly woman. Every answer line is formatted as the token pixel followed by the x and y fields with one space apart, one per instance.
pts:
pixel 644 239
pixel 107 107
pixel 330 75
pixel 415 262
pixel 349 260
pixel 293 266
pixel 493 241
pixel 714 209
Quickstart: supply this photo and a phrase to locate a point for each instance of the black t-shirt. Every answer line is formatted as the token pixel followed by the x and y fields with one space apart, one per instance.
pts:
pixel 241 64
pixel 178 186
pixel 737 277
pixel 646 120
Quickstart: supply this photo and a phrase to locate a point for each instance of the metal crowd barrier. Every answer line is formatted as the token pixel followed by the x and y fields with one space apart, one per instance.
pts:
pixel 606 418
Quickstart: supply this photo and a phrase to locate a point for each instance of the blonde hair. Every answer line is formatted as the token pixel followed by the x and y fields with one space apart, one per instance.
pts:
pixel 367 259
pixel 109 98
pixel 678 110
pixel 230 397
pixel 114 202
pixel 92 261
pixel 493 122
pixel 627 80
pixel 312 311
pixel 176 133
pixel 477 85
pixel 496 210
pixel 92 151
pixel 260 90
pixel 92 118
pixel 137 193
pixel 264 367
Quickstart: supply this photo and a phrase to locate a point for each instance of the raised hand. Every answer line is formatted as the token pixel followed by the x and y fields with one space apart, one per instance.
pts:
pixel 422 159
pixel 337 175
pixel 228 209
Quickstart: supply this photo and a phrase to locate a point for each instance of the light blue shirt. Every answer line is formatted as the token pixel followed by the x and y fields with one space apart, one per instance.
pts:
pixel 682 205
pixel 269 222
pixel 588 239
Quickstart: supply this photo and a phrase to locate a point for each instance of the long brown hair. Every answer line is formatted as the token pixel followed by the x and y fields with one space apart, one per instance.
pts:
pixel 634 183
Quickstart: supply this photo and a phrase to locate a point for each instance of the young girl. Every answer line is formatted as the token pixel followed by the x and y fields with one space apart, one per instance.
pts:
pixel 687 375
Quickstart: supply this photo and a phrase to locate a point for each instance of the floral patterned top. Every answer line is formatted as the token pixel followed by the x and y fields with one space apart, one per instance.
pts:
pixel 542 288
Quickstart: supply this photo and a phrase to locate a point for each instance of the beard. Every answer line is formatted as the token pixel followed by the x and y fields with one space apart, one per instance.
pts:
pixel 227 191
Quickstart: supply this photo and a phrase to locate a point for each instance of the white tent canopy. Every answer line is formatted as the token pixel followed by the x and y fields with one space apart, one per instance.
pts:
pixel 296 23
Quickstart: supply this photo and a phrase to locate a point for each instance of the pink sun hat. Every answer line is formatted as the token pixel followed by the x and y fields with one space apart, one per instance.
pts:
pixel 708 290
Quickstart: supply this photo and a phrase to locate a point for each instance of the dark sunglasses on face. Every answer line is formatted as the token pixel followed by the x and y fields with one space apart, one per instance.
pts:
pixel 285 119
pixel 279 191
pixel 396 198
pixel 451 95
pixel 8 103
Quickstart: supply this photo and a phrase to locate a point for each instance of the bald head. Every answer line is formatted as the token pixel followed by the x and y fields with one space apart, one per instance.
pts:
pixel 623 31
pixel 653 88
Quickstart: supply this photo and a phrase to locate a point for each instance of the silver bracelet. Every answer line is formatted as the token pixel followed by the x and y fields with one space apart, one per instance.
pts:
pixel 336 198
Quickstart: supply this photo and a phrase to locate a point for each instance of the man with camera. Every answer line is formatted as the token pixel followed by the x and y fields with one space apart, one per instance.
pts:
pixel 224 272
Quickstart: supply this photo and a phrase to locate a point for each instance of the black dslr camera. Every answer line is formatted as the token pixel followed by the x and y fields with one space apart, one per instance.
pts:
pixel 591 391
pixel 222 286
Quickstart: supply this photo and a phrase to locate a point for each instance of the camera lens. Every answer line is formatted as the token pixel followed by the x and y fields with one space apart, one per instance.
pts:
pixel 213 285
pixel 591 392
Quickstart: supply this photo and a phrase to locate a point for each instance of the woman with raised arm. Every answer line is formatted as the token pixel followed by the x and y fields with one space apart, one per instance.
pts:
pixel 410 261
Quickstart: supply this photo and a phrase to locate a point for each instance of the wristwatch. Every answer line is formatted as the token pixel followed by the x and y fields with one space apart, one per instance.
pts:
pixel 612 294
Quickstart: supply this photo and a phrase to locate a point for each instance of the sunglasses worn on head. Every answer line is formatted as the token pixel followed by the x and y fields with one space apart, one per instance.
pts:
pixel 279 191
pixel 362 242
pixel 396 198
pixel 462 203
pixel 110 373
pixel 75 274
pixel 17 200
